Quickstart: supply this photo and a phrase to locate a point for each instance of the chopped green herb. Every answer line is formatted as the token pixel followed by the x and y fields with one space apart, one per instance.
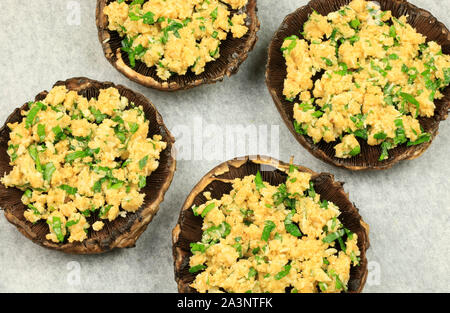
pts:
pixel 142 181
pixel 28 193
pixel 410 99
pixel 392 32
pixel 393 56
pixel 355 23
pixel 34 209
pixel 424 137
pixel 252 272
pixel 400 134
pixel 284 272
pixel 68 189
pixel 32 150
pixel 355 151
pixel 197 268
pixel 71 223
pixel 311 191
pixel 99 117
pixel 214 14
pixel 385 146
pixel 290 227
pixel 207 209
pixel 59 134
pixel 31 116
pixel 41 132
pixel 259 182
pixel 380 135
pixel 117 185
pixel 133 127
pixel 148 18
pixel 327 61
pixel 49 169
pixel 197 247
pixel 98 184
pixel 317 114
pixel 378 69
pixel 104 211
pixel 333 236
pixel 77 155
pixel 268 227
pixel 143 162
pixel 57 228
pixel 323 286
pixel 292 45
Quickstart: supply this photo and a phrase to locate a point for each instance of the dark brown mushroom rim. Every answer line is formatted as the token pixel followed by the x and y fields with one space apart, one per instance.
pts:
pixel 120 233
pixel 424 23
pixel 233 51
pixel 217 181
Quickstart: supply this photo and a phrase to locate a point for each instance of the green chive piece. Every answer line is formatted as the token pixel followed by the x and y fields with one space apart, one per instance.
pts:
pixel 133 127
pixel 290 227
pixel 35 156
pixel 197 247
pixel 269 226
pixel 333 236
pixel 355 23
pixel 208 208
pixel 143 162
pixel 214 14
pixel 104 211
pixel 68 189
pixel 28 193
pixel 29 121
pixel 424 137
pixel 284 272
pixel 71 223
pixel 259 182
pixel 41 132
pixel 252 272
pixel 142 181
pixel 355 151
pixel 49 169
pixel 197 268
pixel 57 228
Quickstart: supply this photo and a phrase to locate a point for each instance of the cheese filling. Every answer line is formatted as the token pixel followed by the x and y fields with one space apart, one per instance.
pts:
pixel 374 76
pixel 75 158
pixel 264 238
pixel 175 35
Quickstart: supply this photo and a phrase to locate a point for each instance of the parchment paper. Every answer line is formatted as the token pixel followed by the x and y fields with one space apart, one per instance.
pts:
pixel 407 207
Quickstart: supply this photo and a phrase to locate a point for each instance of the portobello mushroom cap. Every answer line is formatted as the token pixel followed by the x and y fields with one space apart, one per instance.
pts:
pixel 233 51
pixel 422 20
pixel 120 233
pixel 218 182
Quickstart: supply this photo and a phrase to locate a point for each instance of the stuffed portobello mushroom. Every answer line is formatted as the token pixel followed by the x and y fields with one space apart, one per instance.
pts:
pixel 361 85
pixel 177 44
pixel 260 225
pixel 84 166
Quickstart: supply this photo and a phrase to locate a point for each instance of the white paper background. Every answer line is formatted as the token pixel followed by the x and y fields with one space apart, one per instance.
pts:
pixel 407 207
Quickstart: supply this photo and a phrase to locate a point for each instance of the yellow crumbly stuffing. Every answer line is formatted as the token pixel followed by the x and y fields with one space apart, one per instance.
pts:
pixel 97 226
pixel 75 157
pixel 175 35
pixel 374 76
pixel 264 238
